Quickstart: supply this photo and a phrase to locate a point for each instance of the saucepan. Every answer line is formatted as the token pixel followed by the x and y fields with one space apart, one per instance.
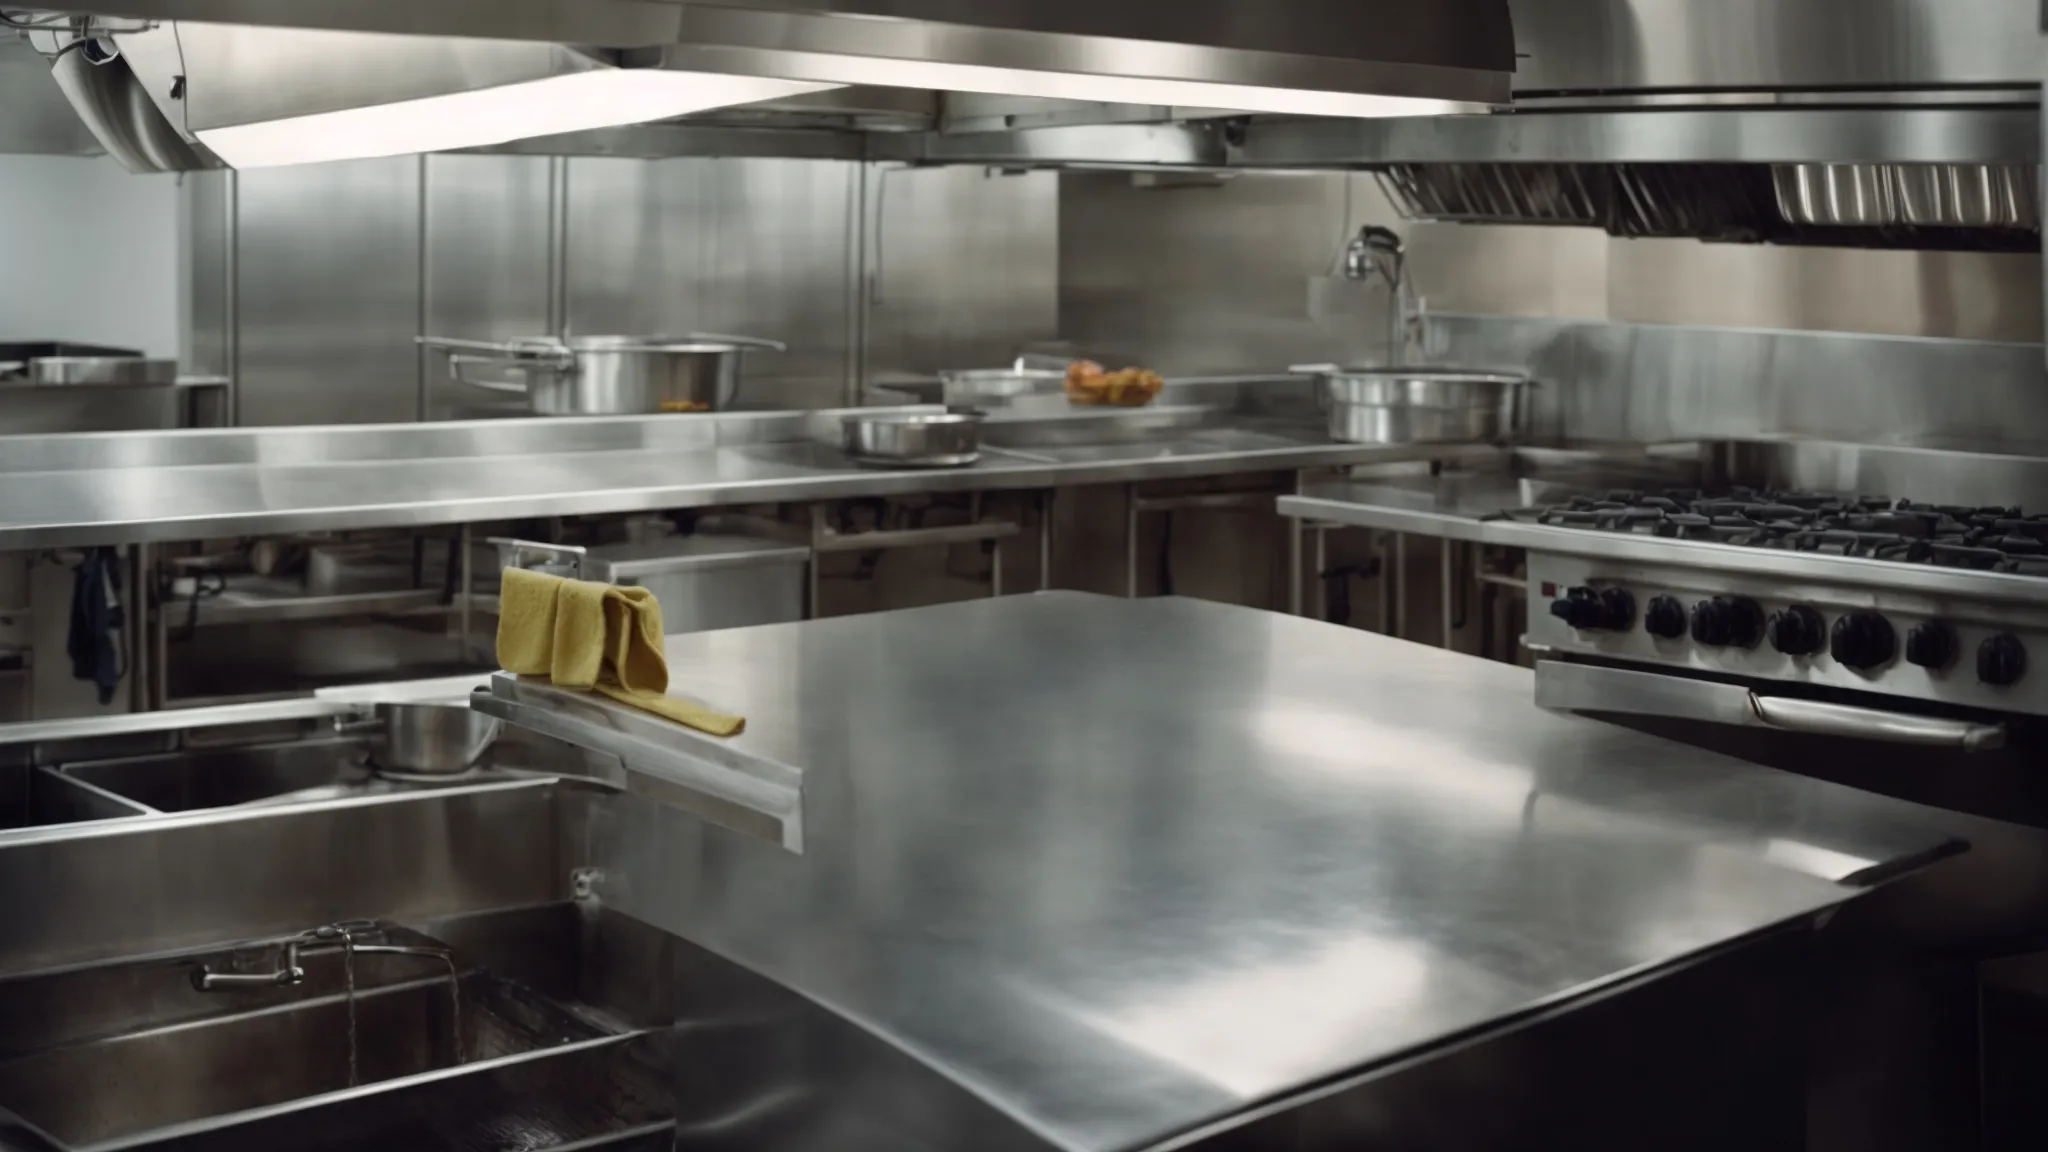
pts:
pixel 608 375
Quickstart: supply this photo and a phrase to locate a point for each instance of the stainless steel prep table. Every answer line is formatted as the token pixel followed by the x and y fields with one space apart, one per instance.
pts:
pixel 147 487
pixel 1124 868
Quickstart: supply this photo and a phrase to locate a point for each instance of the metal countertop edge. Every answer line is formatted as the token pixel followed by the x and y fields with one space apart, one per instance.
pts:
pixel 1624 548
pixel 833 485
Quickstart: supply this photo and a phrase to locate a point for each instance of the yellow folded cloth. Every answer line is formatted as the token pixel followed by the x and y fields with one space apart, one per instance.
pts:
pixel 594 637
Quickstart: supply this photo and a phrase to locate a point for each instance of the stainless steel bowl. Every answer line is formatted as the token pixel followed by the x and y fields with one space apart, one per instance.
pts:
pixel 433 738
pixel 914 440
pixel 1419 405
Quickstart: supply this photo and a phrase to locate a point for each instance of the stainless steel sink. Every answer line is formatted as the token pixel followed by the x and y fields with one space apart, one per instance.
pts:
pixel 297 772
pixel 132 1052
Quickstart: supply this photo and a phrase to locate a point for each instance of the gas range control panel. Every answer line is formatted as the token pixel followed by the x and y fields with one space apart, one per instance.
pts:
pixel 1844 638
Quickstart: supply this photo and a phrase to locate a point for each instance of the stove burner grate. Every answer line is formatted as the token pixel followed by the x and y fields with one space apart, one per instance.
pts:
pixel 1987 539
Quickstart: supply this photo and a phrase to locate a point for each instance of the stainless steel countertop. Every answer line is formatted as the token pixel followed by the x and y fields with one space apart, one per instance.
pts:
pixel 1120 868
pixel 133 487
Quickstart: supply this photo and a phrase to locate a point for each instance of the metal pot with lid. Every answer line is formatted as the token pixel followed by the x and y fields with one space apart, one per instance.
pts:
pixel 608 375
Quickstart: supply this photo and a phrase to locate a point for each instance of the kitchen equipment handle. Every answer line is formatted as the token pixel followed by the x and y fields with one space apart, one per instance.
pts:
pixel 459 363
pixel 1518 410
pixel 513 553
pixel 742 341
pixel 1825 719
pixel 1566 687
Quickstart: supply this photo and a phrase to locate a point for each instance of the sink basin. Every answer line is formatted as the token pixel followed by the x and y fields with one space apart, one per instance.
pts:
pixel 129 1052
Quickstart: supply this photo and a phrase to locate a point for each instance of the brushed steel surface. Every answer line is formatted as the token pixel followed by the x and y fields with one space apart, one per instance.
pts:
pixel 274 480
pixel 1147 863
pixel 753 246
pixel 328 300
pixel 488 272
pixel 186 880
pixel 1780 133
pixel 1646 382
pixel 1604 45
pixel 1419 405
pixel 1591 688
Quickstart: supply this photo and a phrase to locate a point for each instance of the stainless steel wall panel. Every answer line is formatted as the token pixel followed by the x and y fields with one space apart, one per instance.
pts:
pixel 329 300
pixel 752 247
pixel 1243 275
pixel 964 267
pixel 1607 381
pixel 1594 45
pixel 209 210
pixel 488 266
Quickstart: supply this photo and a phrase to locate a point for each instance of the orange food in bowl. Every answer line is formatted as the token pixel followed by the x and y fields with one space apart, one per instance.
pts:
pixel 1087 383
pixel 685 406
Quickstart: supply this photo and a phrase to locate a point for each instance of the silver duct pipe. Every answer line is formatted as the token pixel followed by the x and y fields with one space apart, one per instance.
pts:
pixel 120 115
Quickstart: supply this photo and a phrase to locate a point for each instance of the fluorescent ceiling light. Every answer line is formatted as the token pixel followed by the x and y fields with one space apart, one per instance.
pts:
pixel 602 98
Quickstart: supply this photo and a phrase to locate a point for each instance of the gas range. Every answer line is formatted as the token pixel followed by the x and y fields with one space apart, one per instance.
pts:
pixel 1940 603
pixel 1985 539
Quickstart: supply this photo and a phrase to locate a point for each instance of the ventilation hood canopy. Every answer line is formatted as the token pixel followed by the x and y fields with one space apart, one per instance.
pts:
pixel 283 81
pixel 258 97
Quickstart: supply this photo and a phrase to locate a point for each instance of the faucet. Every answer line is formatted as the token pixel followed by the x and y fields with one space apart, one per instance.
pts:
pixel 1378 253
pixel 324 940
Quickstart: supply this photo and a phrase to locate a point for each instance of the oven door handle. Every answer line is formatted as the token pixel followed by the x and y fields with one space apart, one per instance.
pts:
pixel 1566 687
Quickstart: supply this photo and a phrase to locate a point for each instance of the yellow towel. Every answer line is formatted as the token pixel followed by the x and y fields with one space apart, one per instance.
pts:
pixel 594 637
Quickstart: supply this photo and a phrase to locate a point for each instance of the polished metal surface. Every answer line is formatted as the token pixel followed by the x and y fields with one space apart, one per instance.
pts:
pixel 1149 863
pixel 440 1033
pixel 1620 691
pixel 608 375
pixel 1646 382
pixel 745 793
pixel 753 246
pixel 1296 59
pixel 1690 45
pixel 114 106
pixel 914 440
pixel 92 892
pixel 327 277
pixel 489 269
pixel 276 480
pixel 50 363
pixel 709 579
pixel 433 737
pixel 1920 195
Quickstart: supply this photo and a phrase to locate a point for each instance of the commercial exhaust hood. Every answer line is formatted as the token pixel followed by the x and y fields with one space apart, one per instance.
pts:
pixel 282 81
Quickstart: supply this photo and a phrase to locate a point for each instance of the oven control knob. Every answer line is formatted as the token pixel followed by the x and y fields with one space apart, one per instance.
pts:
pixel 1605 609
pixel 2002 660
pixel 1797 631
pixel 1726 620
pixel 1863 640
pixel 1665 618
pixel 1931 645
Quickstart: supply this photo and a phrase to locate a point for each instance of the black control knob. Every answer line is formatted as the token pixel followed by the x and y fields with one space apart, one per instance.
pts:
pixel 1665 617
pixel 1863 640
pixel 1604 609
pixel 1727 620
pixel 1931 645
pixel 2001 660
pixel 1797 631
